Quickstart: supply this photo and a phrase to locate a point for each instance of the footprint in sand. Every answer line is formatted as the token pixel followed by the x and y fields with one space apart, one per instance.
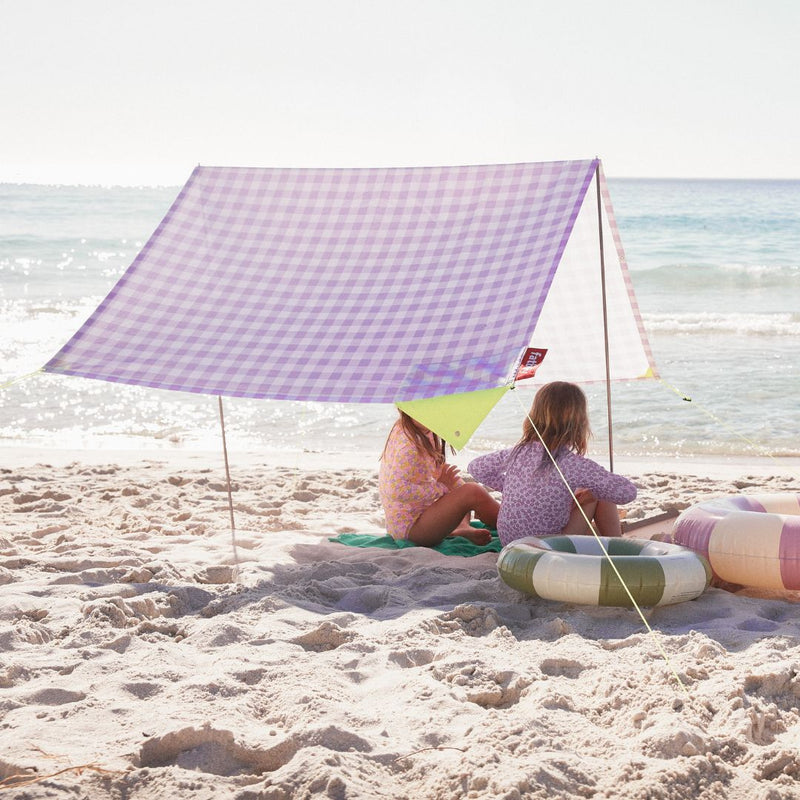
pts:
pixel 216 752
pixel 758 625
pixel 327 636
pixel 782 685
pixel 55 697
pixel 561 667
pixel 12 674
pixel 482 684
pixel 414 657
pixel 677 739
pixel 470 619
pixel 142 690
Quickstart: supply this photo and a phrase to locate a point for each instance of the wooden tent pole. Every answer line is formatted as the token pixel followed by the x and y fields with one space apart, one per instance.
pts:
pixel 230 491
pixel 605 318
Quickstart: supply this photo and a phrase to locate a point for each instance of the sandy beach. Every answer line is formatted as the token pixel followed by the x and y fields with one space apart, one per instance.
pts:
pixel 135 664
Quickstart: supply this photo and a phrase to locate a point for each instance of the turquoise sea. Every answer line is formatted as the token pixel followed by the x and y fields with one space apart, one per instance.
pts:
pixel 715 265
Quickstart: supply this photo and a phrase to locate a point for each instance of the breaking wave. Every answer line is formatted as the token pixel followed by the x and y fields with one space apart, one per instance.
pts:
pixel 716 322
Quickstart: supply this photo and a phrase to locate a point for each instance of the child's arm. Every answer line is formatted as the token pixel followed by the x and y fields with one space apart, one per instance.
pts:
pixel 603 484
pixel 489 469
pixel 450 476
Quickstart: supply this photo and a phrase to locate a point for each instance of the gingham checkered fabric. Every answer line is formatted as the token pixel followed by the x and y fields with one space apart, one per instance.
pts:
pixel 351 285
pixel 572 325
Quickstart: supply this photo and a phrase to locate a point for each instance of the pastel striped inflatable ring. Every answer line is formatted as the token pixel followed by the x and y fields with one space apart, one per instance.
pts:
pixel 574 569
pixel 751 540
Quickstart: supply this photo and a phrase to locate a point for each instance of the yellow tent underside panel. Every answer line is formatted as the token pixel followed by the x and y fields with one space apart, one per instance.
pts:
pixel 454 417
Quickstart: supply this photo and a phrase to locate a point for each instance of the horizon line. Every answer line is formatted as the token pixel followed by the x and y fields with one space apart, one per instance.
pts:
pixel 170 184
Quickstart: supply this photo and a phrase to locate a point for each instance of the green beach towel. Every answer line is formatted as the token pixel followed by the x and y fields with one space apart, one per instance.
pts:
pixel 452 546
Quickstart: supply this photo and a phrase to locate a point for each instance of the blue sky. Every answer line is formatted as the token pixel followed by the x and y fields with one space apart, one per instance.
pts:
pixel 104 91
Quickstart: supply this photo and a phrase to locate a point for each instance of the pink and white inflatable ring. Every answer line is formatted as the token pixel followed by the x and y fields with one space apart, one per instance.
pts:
pixel 752 540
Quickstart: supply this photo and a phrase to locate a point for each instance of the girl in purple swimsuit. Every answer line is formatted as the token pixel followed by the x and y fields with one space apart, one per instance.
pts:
pixel 536 501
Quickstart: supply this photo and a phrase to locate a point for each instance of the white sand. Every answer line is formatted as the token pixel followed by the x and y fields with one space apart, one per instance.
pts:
pixel 338 672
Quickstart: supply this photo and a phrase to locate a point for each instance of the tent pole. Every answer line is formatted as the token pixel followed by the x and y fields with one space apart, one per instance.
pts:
pixel 605 319
pixel 230 491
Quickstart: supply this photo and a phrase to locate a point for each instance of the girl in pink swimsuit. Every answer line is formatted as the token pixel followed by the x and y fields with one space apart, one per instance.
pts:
pixel 537 498
pixel 424 498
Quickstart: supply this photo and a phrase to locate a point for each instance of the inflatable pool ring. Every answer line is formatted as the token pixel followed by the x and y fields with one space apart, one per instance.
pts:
pixel 751 540
pixel 574 569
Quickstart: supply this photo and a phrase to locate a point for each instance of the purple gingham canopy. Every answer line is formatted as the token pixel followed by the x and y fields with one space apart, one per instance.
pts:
pixel 348 285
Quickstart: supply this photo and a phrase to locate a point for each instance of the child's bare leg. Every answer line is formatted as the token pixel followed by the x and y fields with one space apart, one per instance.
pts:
pixel 475 535
pixel 606 517
pixel 577 524
pixel 603 514
pixel 464 526
pixel 444 516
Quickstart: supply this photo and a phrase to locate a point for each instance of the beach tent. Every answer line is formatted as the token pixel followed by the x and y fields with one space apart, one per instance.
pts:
pixel 420 286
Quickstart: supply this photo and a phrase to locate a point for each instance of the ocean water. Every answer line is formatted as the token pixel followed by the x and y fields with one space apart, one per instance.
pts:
pixel 715 265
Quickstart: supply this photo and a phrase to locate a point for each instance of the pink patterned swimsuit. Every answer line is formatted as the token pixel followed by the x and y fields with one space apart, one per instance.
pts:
pixel 535 500
pixel 407 483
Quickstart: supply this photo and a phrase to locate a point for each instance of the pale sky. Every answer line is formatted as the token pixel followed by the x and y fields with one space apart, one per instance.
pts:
pixel 106 91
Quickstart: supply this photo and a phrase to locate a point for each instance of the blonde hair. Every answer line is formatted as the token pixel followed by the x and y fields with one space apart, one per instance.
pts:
pixel 561 415
pixel 427 442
